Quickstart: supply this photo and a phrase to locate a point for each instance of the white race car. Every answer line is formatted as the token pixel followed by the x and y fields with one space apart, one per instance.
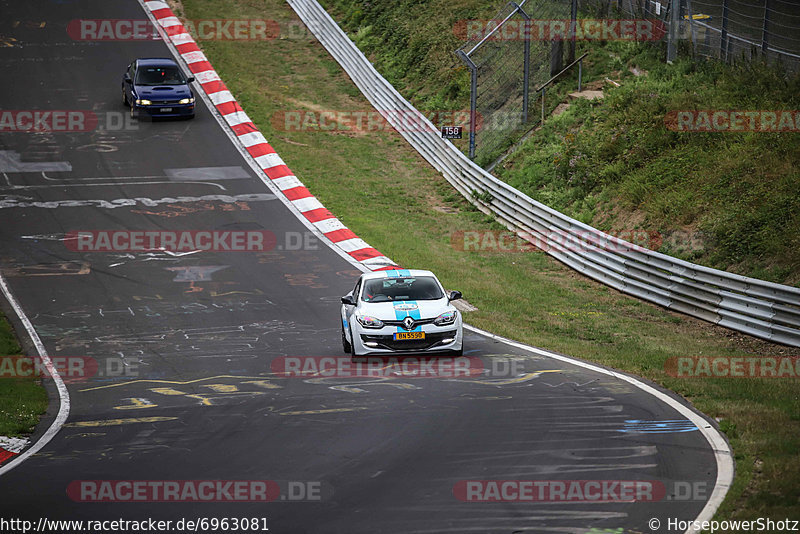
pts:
pixel 400 311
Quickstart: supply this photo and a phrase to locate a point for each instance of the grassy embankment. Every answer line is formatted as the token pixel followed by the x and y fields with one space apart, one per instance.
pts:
pixel 22 400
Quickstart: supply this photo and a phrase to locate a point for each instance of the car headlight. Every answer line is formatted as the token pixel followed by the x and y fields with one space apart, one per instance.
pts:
pixel 142 102
pixel 186 101
pixel 448 317
pixel 369 322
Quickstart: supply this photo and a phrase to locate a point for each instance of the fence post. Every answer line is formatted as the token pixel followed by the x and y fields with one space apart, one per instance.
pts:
pixel 723 36
pixel 692 34
pixel 674 22
pixel 765 30
pixel 526 65
pixel 572 29
pixel 473 102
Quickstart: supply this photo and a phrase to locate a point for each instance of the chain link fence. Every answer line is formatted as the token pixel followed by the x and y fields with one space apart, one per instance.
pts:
pixel 499 57
pixel 729 30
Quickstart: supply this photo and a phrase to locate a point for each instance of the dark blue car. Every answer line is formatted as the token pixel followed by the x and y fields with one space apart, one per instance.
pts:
pixel 158 88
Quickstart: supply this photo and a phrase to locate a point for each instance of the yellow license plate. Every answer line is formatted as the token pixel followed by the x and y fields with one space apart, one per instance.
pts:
pixel 398 336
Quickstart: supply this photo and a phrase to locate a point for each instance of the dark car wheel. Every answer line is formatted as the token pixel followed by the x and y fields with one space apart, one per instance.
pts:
pixel 352 345
pixel 345 344
pixel 124 98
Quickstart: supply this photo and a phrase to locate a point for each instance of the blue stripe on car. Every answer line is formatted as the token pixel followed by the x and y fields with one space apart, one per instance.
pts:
pixel 402 314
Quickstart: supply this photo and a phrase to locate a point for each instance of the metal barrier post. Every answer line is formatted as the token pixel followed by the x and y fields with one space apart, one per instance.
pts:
pixel 723 40
pixel 472 99
pixel 543 90
pixel 526 62
pixel 674 22
pixel 765 30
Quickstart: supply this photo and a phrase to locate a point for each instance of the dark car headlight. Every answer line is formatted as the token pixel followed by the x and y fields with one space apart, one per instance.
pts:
pixel 448 317
pixel 368 321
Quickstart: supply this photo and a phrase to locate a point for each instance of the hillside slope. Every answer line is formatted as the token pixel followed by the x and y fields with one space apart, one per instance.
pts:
pixel 723 199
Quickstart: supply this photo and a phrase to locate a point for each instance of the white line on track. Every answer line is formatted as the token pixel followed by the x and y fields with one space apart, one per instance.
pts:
pixel 63 394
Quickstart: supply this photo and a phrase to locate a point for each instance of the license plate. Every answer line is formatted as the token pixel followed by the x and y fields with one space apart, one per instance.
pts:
pixel 400 336
pixel 165 110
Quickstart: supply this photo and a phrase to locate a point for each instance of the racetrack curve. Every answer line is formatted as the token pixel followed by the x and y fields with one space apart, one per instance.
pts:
pixel 199 333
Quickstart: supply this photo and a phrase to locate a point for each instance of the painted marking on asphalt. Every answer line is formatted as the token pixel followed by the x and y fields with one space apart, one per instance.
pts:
pixel 174 382
pixel 508 381
pixel 11 161
pixel 116 422
pixel 167 391
pixel 195 273
pixel 317 412
pixel 50 269
pixel 635 426
pixel 136 404
pixel 222 388
pixel 127 202
pixel 266 384
pixel 206 174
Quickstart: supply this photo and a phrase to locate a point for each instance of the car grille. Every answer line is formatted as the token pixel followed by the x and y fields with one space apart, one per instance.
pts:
pixel 386 342
pixel 165 102
pixel 417 322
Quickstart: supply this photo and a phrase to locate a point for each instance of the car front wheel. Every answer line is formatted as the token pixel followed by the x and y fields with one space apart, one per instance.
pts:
pixel 346 344
pixel 353 345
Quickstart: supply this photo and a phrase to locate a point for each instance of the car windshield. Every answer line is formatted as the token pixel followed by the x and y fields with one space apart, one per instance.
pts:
pixel 161 75
pixel 407 288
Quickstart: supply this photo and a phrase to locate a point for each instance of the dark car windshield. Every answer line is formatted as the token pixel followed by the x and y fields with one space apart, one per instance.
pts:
pixel 159 75
pixel 407 288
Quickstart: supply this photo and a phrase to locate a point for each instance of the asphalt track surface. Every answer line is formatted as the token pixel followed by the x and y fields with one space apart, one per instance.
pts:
pixel 200 402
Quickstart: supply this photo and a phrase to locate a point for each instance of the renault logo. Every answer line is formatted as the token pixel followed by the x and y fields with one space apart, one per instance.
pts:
pixel 408 323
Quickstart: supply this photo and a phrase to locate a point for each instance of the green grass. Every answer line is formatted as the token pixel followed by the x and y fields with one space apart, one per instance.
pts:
pixel 393 199
pixel 725 200
pixel 22 400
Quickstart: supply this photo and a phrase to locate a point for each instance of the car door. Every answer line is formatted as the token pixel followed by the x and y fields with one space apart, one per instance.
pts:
pixel 129 86
pixel 349 310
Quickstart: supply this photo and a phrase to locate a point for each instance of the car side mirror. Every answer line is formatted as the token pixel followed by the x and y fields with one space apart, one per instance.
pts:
pixel 190 79
pixel 128 79
pixel 454 295
pixel 348 299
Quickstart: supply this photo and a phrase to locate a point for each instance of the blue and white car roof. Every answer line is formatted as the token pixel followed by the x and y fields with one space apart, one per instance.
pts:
pixel 398 273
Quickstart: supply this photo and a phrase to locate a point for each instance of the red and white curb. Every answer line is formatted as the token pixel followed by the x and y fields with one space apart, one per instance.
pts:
pixel 10 447
pixel 257 146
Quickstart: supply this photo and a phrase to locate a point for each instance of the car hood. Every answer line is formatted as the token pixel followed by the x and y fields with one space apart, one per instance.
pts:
pixel 418 309
pixel 163 92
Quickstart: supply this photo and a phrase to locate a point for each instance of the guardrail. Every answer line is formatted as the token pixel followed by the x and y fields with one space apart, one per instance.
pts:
pixel 756 307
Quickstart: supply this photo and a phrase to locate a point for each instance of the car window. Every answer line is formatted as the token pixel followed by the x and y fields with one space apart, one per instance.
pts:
pixel 408 288
pixel 159 75
pixel 356 289
pixel 132 70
